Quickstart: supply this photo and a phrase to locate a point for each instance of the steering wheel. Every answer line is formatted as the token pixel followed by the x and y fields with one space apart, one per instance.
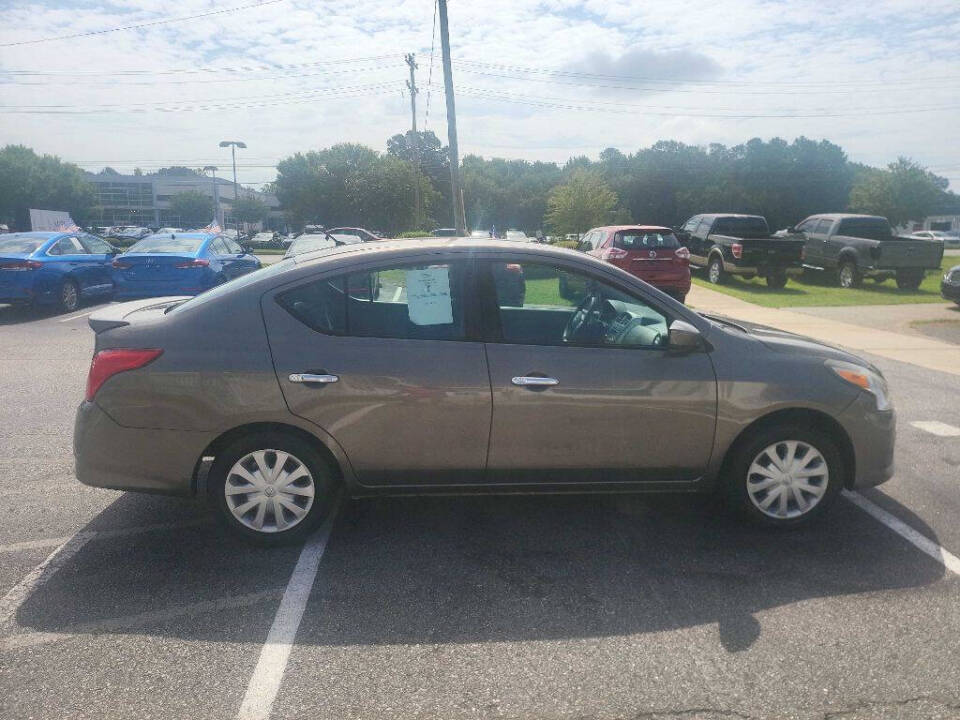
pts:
pixel 578 321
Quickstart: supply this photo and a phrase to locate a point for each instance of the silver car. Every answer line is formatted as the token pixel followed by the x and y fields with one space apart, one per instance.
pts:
pixel 400 368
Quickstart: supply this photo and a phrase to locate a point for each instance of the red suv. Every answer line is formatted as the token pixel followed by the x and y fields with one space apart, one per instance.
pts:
pixel 650 252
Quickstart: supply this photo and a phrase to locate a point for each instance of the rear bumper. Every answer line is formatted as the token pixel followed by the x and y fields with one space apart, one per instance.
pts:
pixel 872 434
pixel 108 455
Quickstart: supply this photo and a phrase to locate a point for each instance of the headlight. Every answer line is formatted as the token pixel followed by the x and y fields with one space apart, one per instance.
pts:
pixel 865 379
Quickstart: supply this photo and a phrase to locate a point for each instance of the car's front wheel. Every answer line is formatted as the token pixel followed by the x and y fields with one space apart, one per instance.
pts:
pixel 272 488
pixel 785 475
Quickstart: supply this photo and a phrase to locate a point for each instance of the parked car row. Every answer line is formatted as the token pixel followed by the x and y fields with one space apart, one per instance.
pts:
pixel 63 269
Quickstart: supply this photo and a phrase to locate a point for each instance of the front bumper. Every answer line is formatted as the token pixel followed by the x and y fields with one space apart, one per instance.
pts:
pixel 108 455
pixel 872 434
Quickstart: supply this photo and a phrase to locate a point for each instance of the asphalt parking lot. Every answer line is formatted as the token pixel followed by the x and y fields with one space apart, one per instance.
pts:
pixel 120 605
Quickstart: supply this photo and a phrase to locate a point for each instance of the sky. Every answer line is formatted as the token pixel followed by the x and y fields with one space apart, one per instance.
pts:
pixel 534 79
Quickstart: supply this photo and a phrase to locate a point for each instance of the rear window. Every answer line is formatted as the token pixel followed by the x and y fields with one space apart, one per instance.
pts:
pixel 158 244
pixel 630 240
pixel 867 228
pixel 309 243
pixel 741 226
pixel 20 244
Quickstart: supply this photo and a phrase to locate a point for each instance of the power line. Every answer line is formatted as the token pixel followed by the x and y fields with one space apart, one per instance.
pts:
pixel 697 91
pixel 601 76
pixel 143 25
pixel 203 81
pixel 563 104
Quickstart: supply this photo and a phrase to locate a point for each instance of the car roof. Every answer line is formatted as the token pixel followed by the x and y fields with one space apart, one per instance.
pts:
pixel 620 228
pixel 841 216
pixel 416 246
pixel 714 216
pixel 192 235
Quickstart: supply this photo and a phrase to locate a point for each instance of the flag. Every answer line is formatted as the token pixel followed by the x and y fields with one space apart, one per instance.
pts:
pixel 213 227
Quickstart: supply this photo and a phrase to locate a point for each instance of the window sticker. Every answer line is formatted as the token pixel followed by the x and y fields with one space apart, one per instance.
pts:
pixel 428 296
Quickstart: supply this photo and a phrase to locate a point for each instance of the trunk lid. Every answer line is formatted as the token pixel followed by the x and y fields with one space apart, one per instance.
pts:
pixel 151 268
pixel 908 253
pixel 127 313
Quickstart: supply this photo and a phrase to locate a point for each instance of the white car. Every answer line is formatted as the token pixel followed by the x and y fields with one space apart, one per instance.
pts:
pixel 516 236
pixel 950 239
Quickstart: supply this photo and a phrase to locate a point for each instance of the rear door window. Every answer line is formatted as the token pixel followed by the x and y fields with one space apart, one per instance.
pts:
pixel 68 246
pixel 408 302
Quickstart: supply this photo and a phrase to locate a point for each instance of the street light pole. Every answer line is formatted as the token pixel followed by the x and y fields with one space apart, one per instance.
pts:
pixel 216 194
pixel 234 144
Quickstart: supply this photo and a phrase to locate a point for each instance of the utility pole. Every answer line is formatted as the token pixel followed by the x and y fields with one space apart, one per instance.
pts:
pixel 451 121
pixel 212 169
pixel 234 144
pixel 412 86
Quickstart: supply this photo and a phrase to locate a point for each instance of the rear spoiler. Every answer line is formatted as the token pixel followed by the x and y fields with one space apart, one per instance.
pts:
pixel 116 316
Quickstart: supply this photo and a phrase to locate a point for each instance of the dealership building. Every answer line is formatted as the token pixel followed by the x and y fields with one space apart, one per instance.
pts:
pixel 144 200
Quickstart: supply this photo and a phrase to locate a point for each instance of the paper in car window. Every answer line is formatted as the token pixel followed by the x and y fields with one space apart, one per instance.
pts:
pixel 428 296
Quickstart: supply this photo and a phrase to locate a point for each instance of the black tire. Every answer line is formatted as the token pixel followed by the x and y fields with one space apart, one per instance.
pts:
pixel 848 276
pixel 880 279
pixel 69 299
pixel 777 281
pixel 909 279
pixel 742 456
pixel 715 273
pixel 321 475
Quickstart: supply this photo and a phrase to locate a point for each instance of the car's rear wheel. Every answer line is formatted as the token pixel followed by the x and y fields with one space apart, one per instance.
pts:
pixel 909 279
pixel 69 299
pixel 848 275
pixel 715 273
pixel 272 488
pixel 785 475
pixel 777 281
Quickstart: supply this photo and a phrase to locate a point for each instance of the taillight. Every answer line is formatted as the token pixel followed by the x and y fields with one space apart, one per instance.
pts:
pixel 107 363
pixel 613 253
pixel 681 256
pixel 737 250
pixel 199 262
pixel 21 265
pixel 119 264
pixel 513 267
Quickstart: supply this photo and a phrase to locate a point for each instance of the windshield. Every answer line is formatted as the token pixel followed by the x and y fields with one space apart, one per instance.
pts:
pixel 20 244
pixel 159 244
pixel 741 226
pixel 634 240
pixel 308 243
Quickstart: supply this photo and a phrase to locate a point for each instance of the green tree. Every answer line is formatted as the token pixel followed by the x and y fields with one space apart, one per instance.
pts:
pixel 28 180
pixel 583 201
pixel 250 209
pixel 192 207
pixel 179 171
pixel 904 191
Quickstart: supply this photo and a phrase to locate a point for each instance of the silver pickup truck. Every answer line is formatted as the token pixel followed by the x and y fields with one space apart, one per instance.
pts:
pixel 859 246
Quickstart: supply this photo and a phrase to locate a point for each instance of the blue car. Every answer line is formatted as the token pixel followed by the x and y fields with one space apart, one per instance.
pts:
pixel 179 264
pixel 54 268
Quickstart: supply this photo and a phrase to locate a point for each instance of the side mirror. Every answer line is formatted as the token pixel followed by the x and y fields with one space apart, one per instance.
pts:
pixel 684 337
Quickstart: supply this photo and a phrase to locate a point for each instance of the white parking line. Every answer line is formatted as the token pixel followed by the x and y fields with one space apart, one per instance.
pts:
pixel 950 561
pixel 115 532
pixel 77 317
pixel 267 675
pixel 151 617
pixel 12 601
pixel 935 427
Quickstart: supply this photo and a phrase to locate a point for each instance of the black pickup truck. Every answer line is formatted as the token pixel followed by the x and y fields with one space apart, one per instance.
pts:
pixel 859 246
pixel 740 245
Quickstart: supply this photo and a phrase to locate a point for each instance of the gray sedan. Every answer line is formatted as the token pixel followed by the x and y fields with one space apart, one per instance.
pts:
pixel 400 368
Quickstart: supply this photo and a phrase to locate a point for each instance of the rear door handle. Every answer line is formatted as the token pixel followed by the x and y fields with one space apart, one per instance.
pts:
pixel 312 378
pixel 534 381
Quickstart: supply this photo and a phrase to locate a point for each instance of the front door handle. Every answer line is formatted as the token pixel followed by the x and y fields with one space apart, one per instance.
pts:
pixel 534 381
pixel 312 378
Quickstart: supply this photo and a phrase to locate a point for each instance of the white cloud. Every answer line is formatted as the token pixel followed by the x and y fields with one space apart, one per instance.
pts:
pixel 758 56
